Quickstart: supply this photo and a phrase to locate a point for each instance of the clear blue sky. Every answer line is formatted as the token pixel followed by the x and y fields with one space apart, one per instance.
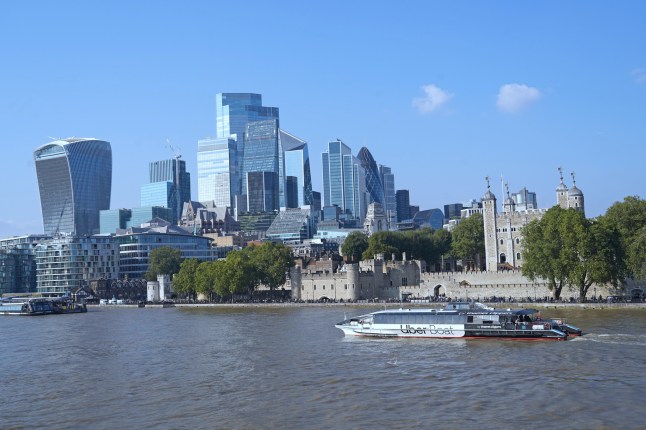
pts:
pixel 444 93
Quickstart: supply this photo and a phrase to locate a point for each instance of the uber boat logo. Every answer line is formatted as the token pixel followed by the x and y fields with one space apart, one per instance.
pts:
pixel 408 329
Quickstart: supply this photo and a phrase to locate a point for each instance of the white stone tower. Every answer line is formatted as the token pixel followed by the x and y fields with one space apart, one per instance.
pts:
pixel 489 216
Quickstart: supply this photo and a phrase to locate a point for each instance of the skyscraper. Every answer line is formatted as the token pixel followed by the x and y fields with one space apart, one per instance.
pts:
pixel 218 177
pixel 402 197
pixel 75 181
pixel 297 165
pixel 261 153
pixel 169 186
pixel 220 159
pixel 390 201
pixel 343 180
pixel 374 186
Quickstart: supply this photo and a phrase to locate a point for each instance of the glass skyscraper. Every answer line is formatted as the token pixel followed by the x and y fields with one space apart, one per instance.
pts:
pixel 218 177
pixel 390 200
pixel 233 112
pixel 373 181
pixel 261 153
pixel 297 165
pixel 75 181
pixel 173 171
pixel 343 180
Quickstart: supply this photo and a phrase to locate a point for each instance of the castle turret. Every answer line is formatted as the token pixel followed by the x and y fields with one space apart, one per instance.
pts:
pixel 561 192
pixel 489 216
pixel 509 204
pixel 575 197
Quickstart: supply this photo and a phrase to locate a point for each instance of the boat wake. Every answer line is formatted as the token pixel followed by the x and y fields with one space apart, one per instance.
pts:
pixel 614 339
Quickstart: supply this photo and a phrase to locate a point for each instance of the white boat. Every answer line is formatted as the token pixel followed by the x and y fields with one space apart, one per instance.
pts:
pixel 455 320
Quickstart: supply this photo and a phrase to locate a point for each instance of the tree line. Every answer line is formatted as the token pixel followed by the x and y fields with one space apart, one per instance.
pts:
pixel 465 242
pixel 240 273
pixel 568 250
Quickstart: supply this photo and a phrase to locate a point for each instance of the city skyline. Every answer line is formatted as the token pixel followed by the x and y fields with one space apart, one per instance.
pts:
pixel 443 94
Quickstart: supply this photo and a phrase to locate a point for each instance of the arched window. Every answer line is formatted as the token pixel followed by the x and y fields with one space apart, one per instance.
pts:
pixel 517 240
pixel 503 258
pixel 518 256
pixel 501 241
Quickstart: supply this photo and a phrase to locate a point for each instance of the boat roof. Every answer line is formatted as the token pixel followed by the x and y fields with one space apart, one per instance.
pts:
pixel 466 308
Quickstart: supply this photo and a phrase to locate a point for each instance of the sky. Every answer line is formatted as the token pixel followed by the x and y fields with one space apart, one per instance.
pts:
pixel 445 93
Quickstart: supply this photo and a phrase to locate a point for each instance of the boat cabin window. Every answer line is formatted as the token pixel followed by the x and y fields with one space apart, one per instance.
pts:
pixel 470 319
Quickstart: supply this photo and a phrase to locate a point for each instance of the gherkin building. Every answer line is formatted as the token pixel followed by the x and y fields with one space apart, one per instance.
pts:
pixel 373 184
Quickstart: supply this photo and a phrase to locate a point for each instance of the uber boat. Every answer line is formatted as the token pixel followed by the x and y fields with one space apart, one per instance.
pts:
pixel 457 319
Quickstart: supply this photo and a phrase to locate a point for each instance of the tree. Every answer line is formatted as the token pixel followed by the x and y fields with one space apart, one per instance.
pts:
pixel 629 219
pixel 381 242
pixel 237 275
pixel 467 238
pixel 204 278
pixel 272 262
pixel 163 261
pixel 565 248
pixel 354 245
pixel 542 252
pixel 184 280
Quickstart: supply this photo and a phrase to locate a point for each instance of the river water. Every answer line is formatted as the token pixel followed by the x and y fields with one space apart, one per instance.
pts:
pixel 289 368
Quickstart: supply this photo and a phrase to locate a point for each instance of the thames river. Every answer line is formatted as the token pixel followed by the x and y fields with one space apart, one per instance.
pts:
pixel 289 368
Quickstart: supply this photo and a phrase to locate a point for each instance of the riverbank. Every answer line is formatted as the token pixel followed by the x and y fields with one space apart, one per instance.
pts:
pixel 387 305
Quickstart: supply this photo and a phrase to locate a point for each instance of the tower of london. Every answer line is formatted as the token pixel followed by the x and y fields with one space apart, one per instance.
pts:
pixel 503 235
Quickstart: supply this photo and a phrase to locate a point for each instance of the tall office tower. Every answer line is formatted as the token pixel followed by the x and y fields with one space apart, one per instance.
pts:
pixel 219 159
pixel 343 180
pixel 261 153
pixel 374 186
pixel 402 197
pixel 170 186
pixel 75 181
pixel 297 164
pixel 390 202
pixel 452 211
pixel 218 177
pixel 263 191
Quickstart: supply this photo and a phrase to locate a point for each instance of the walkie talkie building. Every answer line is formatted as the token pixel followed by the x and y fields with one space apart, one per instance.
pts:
pixel 75 181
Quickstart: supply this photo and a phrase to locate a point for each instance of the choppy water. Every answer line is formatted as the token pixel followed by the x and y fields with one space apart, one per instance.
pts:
pixel 275 368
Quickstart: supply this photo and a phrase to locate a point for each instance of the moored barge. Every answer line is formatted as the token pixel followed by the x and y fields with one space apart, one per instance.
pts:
pixel 40 306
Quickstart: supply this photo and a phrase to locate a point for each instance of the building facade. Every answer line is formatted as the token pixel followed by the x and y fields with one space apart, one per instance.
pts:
pixel 135 244
pixel 65 263
pixel 374 188
pixel 390 200
pixel 503 231
pixel 402 199
pixel 173 171
pixel 75 181
pixel 343 181
pixel 18 263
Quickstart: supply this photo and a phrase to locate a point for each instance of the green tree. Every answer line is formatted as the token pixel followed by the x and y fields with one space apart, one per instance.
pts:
pixel 565 248
pixel 542 247
pixel 636 254
pixel 272 261
pixel 163 261
pixel 205 278
pixel 467 238
pixel 354 245
pixel 238 275
pixel 382 242
pixel 184 280
pixel 629 219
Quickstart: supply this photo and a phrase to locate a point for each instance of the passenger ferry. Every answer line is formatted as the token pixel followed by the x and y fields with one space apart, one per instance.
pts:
pixel 458 319
pixel 40 306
